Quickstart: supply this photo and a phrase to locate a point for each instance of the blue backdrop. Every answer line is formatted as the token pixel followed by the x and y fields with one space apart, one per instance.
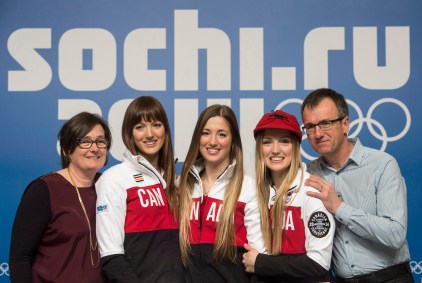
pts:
pixel 58 58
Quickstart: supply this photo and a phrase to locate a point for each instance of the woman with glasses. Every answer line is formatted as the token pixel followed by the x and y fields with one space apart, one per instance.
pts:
pixel 218 208
pixel 136 228
pixel 53 235
pixel 297 229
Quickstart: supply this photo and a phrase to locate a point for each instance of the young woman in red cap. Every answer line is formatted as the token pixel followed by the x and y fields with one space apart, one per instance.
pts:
pixel 297 229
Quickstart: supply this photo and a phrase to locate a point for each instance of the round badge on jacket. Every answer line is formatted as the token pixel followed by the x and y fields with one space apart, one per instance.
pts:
pixel 319 224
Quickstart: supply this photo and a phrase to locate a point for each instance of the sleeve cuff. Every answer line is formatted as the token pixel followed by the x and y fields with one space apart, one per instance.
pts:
pixel 260 263
pixel 343 213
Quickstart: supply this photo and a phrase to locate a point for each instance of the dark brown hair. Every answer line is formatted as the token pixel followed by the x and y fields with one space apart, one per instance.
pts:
pixel 78 127
pixel 150 109
pixel 314 98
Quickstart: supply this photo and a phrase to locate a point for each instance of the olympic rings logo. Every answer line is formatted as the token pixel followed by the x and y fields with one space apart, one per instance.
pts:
pixel 4 269
pixel 368 120
pixel 416 267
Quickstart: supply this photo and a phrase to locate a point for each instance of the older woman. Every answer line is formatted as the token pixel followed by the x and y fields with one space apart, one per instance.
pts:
pixel 53 235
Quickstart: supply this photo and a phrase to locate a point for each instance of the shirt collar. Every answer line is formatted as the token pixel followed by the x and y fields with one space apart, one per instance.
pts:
pixel 356 156
pixel 357 152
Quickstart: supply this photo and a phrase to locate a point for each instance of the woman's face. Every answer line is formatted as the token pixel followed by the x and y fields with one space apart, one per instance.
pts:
pixel 90 159
pixel 149 138
pixel 277 150
pixel 216 141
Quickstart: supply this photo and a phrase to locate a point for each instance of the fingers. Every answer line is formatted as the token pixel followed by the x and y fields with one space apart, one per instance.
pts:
pixel 245 262
pixel 319 186
pixel 317 183
pixel 315 178
pixel 314 194
pixel 249 258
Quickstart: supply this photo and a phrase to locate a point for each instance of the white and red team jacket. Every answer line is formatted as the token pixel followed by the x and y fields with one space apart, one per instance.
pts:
pixel 204 218
pixel 136 231
pixel 307 241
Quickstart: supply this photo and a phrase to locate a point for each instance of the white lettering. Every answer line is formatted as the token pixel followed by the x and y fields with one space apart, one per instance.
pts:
pixel 194 213
pixel 87 58
pixel 141 199
pixel 367 71
pixel 188 39
pixel 158 196
pixel 288 223
pixel 317 44
pixel 251 57
pixel 153 197
pixel 214 212
pixel 218 213
pixel 136 47
pixel 211 213
pixel 101 74
pixel 22 45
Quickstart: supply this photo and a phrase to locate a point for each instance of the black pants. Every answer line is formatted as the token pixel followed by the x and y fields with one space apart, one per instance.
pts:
pixel 399 273
pixel 405 278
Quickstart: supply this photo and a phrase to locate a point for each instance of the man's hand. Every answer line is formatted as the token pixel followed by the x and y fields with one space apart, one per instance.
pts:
pixel 327 193
pixel 249 258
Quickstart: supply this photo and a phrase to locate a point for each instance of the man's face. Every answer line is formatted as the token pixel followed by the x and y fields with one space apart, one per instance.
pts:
pixel 328 142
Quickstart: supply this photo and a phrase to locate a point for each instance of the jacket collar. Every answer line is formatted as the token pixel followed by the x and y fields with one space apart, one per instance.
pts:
pixel 140 163
pixel 199 167
pixel 294 188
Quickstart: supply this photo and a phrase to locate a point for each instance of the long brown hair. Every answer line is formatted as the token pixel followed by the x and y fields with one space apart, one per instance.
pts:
pixel 272 234
pixel 224 246
pixel 149 109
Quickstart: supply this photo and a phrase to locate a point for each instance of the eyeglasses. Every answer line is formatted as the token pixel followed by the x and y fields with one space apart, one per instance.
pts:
pixel 324 125
pixel 87 143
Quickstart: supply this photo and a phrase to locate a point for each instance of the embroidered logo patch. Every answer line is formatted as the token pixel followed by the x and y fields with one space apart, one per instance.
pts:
pixel 289 196
pixel 138 177
pixel 319 224
pixel 102 208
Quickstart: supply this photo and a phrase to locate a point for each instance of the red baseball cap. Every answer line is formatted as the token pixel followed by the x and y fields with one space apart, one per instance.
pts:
pixel 279 120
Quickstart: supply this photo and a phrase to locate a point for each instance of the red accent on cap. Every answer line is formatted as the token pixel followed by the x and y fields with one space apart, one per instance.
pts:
pixel 279 120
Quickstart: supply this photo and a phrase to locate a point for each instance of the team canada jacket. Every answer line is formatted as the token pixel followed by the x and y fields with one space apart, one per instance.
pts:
pixel 203 224
pixel 136 231
pixel 307 242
